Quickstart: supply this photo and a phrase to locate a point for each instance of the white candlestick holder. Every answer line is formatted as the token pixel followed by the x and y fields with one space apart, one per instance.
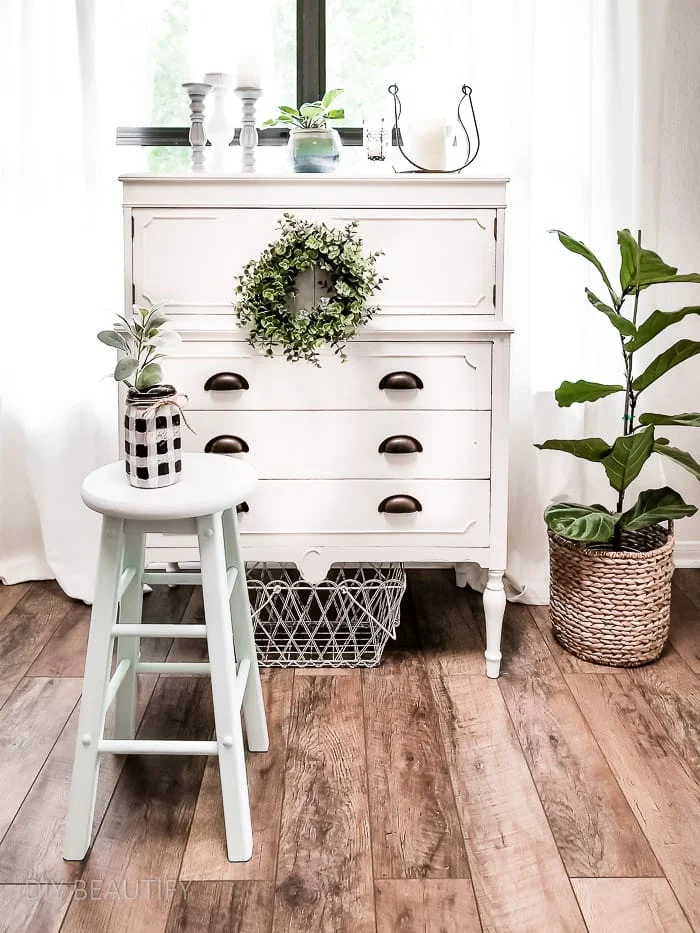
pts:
pixel 220 124
pixel 249 135
pixel 197 92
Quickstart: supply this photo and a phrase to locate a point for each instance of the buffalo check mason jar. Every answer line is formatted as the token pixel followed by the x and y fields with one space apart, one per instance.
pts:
pixel 152 438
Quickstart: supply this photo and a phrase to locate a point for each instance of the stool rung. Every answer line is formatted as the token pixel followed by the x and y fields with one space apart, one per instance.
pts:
pixel 158 630
pixel 156 747
pixel 184 578
pixel 172 667
pixel 242 680
pixel 116 680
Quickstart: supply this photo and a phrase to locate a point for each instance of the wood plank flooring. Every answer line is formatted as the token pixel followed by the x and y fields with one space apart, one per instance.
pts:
pixel 418 797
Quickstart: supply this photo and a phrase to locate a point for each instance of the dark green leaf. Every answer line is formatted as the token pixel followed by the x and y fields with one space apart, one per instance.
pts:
pixel 588 448
pixel 690 419
pixel 576 246
pixel 125 368
pixel 112 339
pixel 582 391
pixel 623 325
pixel 678 353
pixel 654 271
pixel 655 323
pixel 580 522
pixel 656 505
pixel 681 457
pixel 628 255
pixel 628 456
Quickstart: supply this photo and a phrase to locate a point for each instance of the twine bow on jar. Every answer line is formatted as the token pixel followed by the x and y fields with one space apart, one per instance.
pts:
pixel 178 400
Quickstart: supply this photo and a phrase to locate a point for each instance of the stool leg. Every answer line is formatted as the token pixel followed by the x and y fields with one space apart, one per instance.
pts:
pixel 81 806
pixel 227 714
pixel 130 609
pixel 244 640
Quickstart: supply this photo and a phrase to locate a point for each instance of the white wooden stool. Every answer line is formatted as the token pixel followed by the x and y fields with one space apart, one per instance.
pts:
pixel 202 502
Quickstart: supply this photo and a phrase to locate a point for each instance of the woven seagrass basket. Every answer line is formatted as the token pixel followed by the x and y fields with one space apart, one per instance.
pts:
pixel 613 607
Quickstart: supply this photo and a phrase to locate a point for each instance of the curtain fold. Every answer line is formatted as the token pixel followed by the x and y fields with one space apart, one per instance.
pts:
pixel 579 102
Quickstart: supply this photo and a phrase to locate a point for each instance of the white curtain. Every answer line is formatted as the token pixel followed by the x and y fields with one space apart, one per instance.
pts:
pixel 590 106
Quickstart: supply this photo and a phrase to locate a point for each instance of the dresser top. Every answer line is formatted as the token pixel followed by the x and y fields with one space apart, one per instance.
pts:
pixel 333 190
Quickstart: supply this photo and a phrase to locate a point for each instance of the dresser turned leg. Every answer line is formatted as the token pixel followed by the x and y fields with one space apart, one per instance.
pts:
pixel 461 575
pixel 494 609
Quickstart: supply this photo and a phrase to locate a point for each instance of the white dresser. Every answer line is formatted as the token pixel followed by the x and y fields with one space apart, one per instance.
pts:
pixel 398 454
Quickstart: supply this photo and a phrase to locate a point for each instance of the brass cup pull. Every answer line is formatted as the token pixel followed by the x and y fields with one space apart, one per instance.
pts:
pixel 401 380
pixel 226 444
pixel 242 507
pixel 400 444
pixel 226 382
pixel 397 505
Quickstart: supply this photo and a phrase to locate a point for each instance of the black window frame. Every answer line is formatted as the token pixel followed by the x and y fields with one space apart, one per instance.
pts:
pixel 311 84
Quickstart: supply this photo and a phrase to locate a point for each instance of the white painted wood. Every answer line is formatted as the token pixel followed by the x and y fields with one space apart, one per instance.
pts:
pixel 461 575
pixel 322 444
pixel 159 630
pixel 173 578
pixel 117 679
pixel 191 257
pixel 229 736
pixel 313 433
pixel 244 641
pixel 129 648
pixel 455 376
pixel 81 805
pixel 157 747
pixel 199 668
pixel 494 609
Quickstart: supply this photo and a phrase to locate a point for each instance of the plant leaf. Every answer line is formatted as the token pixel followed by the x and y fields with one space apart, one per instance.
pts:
pixel 621 323
pixel 690 419
pixel 336 114
pixel 112 339
pixel 628 256
pixel 149 376
pixel 656 505
pixel 582 391
pixel 576 246
pixel 681 457
pixel 678 353
pixel 627 457
pixel 580 522
pixel 588 448
pixel 125 368
pixel 330 96
pixel 291 110
pixel 310 110
pixel 655 323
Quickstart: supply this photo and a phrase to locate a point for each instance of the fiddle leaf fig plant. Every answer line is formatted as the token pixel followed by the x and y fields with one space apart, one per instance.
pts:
pixel 625 457
pixel 313 116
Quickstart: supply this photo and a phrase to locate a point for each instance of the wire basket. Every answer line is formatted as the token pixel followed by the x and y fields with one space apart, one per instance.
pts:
pixel 344 621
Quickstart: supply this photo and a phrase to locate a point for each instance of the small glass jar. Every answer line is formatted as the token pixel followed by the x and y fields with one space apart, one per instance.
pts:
pixel 316 150
pixel 376 140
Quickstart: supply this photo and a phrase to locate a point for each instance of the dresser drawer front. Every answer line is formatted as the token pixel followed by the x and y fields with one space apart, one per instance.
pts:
pixel 453 376
pixel 457 509
pixel 345 445
pixel 440 261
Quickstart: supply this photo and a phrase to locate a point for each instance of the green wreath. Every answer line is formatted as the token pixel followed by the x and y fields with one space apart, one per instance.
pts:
pixel 267 283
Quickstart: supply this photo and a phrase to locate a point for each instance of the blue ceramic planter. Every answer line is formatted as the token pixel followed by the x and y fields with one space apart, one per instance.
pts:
pixel 314 150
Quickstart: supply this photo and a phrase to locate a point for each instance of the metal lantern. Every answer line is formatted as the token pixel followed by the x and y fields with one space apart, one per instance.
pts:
pixel 472 148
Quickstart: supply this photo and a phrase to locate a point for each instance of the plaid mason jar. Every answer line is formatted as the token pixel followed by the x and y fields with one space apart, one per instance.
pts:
pixel 152 437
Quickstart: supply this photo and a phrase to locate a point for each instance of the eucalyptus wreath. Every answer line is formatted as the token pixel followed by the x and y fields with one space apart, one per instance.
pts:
pixel 267 284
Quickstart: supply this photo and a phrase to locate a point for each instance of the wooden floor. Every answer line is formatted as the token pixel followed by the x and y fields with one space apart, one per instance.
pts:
pixel 419 796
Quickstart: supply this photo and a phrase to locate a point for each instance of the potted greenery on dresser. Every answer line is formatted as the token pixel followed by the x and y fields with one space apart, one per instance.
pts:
pixel 313 145
pixel 611 568
pixel 153 410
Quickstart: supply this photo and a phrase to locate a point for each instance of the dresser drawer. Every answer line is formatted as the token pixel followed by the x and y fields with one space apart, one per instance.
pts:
pixel 456 508
pixel 346 444
pixel 435 260
pixel 451 376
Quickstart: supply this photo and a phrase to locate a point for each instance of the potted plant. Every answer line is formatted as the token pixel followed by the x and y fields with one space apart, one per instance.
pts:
pixel 152 438
pixel 313 145
pixel 611 568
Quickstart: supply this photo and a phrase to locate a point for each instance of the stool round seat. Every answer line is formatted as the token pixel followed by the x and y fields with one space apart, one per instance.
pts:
pixel 209 483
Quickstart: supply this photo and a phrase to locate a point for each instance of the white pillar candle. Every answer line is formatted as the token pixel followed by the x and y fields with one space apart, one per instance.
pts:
pixel 427 142
pixel 249 67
